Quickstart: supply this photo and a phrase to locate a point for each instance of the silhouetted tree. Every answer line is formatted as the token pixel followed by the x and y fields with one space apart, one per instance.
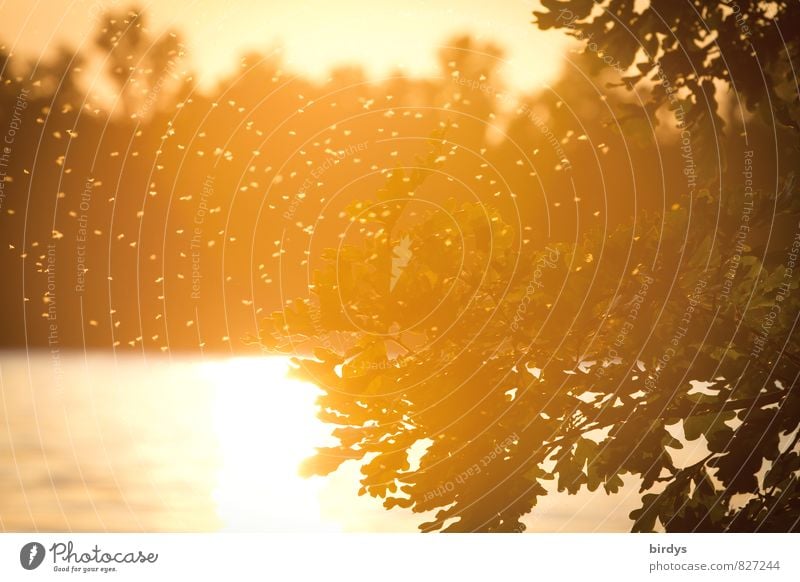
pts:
pixel 513 363
pixel 142 67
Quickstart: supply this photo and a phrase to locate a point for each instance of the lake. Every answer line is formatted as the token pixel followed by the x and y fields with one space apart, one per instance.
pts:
pixel 97 442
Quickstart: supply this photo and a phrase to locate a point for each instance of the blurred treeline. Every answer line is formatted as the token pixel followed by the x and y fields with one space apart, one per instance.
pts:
pixel 258 169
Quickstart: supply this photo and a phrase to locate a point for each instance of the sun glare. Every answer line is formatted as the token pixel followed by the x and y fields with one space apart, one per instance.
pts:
pixel 383 37
pixel 266 425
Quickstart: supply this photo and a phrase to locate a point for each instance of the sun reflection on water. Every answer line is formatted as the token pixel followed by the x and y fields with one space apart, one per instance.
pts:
pixel 266 425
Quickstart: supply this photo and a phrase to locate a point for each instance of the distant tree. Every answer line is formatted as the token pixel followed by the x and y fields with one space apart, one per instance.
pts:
pixel 60 76
pixel 140 65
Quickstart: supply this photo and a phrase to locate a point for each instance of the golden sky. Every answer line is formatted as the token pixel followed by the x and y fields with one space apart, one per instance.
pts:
pixel 315 34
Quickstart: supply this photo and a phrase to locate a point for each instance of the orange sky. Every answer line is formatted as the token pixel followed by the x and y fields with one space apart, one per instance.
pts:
pixel 315 34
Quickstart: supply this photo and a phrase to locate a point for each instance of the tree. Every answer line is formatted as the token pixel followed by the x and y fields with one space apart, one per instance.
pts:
pixel 691 56
pixel 570 362
pixel 138 64
pixel 685 47
pixel 575 362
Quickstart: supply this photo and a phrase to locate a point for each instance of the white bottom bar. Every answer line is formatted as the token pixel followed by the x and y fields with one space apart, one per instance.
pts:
pixel 400 557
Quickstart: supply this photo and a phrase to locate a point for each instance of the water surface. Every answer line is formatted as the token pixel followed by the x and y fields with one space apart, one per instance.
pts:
pixel 134 443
